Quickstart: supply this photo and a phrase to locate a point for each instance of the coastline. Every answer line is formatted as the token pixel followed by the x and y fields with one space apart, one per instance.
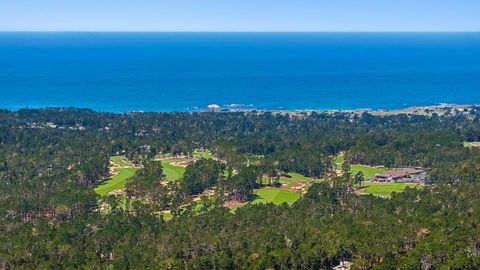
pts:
pixel 428 110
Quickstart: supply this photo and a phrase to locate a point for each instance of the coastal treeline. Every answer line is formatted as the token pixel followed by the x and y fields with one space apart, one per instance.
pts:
pixel 50 216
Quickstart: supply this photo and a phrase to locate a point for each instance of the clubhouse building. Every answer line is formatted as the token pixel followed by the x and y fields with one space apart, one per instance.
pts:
pixel 407 175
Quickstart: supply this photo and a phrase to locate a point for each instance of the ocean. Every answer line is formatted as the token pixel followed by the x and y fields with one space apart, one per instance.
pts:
pixel 121 72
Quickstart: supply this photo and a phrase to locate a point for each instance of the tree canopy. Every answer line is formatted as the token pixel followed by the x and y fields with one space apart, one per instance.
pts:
pixel 51 218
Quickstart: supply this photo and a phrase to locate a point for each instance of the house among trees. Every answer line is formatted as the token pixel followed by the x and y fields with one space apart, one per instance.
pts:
pixel 344 265
pixel 409 175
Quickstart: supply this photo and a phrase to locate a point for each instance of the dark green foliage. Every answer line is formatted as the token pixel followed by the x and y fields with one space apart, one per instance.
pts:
pixel 408 231
pixel 50 218
pixel 240 186
pixel 147 187
pixel 201 175
pixel 359 178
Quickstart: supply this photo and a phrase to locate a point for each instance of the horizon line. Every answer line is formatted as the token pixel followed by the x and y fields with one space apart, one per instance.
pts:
pixel 214 31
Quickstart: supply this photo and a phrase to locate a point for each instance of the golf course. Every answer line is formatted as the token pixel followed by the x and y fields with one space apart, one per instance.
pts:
pixel 122 171
pixel 368 171
pixel 276 196
pixel 171 171
pixel 386 189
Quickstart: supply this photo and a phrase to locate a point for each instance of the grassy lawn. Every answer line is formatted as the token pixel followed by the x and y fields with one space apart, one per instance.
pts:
pixel 120 161
pixel 288 182
pixel 471 144
pixel 386 189
pixel 117 181
pixel 368 171
pixel 291 182
pixel 299 176
pixel 202 154
pixel 167 215
pixel 275 196
pixel 172 172
pixel 339 161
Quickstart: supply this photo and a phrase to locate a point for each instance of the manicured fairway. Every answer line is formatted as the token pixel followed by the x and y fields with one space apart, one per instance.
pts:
pixel 288 182
pixel 275 196
pixel 368 171
pixel 117 181
pixel 299 176
pixel 202 154
pixel 172 172
pixel 386 189
pixel 120 161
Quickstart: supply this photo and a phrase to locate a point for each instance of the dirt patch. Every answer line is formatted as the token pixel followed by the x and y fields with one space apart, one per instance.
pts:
pixel 296 185
pixel 173 157
pixel 183 163
pixel 117 192
pixel 234 204
pixel 207 193
pixel 361 191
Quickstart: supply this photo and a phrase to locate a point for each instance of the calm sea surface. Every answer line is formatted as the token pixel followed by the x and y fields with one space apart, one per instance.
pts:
pixel 120 72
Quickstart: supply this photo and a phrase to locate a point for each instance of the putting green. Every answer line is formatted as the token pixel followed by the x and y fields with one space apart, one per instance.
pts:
pixel 172 172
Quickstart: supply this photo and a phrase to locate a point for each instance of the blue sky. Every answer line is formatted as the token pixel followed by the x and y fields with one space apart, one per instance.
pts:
pixel 239 15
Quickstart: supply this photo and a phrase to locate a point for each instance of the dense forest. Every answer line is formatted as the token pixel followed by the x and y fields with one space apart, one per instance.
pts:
pixel 52 159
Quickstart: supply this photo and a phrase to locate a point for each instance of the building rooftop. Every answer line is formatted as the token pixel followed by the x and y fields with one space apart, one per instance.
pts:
pixel 344 265
pixel 401 172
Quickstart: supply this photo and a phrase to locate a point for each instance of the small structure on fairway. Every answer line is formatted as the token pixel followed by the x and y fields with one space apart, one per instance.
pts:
pixel 408 175
pixel 344 265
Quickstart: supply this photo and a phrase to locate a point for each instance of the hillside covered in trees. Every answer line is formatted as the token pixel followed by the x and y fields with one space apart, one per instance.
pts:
pixel 51 161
